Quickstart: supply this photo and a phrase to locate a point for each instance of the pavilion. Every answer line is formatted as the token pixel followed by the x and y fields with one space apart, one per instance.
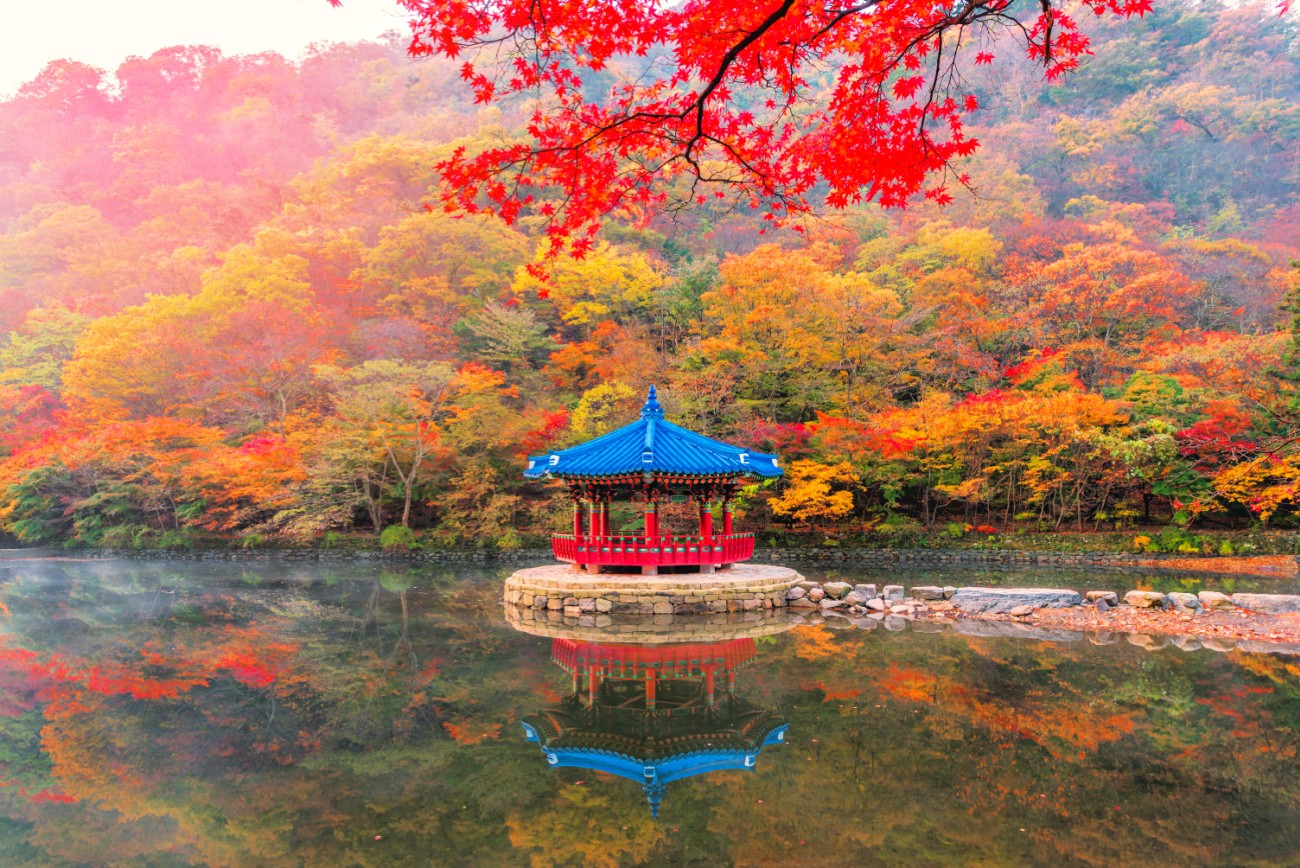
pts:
pixel 652 461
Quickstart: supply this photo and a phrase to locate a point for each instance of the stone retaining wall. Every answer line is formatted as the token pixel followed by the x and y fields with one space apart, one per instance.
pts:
pixel 856 556
pixel 977 557
pixel 868 557
pixel 323 555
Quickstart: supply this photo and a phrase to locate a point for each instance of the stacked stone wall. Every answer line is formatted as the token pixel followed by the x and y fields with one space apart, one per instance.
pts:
pixel 561 588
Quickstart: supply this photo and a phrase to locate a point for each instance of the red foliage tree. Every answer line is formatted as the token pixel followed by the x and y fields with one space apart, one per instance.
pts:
pixel 724 93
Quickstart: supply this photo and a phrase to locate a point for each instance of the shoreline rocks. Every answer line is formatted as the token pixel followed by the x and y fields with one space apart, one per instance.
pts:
pixel 1269 604
pixel 1144 599
pixel 995 601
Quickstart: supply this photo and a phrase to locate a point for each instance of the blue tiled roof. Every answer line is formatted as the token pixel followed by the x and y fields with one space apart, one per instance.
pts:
pixel 657 445
pixel 655 774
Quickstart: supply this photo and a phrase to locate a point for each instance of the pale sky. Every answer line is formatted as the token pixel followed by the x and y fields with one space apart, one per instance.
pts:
pixel 105 32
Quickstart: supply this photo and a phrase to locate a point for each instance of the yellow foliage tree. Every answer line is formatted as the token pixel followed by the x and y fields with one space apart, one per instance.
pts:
pixel 603 285
pixel 597 412
pixel 809 493
pixel 1263 485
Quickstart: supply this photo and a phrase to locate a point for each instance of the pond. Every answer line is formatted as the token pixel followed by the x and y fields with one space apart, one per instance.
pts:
pixel 223 715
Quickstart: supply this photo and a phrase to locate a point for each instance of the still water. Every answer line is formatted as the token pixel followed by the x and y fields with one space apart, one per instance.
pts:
pixel 160 715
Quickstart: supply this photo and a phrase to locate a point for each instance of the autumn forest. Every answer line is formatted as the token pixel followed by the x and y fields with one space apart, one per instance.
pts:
pixel 232 309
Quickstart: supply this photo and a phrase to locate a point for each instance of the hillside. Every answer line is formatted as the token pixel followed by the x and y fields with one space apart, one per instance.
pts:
pixel 227 311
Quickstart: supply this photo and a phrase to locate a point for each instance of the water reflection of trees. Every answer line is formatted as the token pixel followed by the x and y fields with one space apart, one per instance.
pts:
pixel 288 722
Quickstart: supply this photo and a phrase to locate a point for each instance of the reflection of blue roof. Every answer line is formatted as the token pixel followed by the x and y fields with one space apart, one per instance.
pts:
pixel 653 444
pixel 655 774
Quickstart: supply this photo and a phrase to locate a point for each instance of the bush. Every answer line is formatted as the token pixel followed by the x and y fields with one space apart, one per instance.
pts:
pixel 398 537
pixel 176 539
pixel 120 537
pixel 1175 539
pixel 509 540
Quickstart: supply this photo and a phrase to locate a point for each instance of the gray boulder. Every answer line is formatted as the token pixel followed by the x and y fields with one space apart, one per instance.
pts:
pixel 1109 596
pixel 1214 600
pixel 876 605
pixel 1269 604
pixel 836 590
pixel 948 591
pixel 795 593
pixel 828 603
pixel 816 595
pixel 857 598
pixel 893 593
pixel 998 601
pixel 1183 602
pixel 867 591
pixel 927 592
pixel 1144 599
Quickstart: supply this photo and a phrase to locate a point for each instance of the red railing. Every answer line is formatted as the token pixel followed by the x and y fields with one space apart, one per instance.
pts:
pixel 639 551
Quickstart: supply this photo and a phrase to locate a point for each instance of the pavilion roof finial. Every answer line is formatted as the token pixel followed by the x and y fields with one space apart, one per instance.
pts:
pixel 652 410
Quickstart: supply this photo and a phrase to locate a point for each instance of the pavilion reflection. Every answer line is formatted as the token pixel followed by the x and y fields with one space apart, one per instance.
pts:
pixel 655 708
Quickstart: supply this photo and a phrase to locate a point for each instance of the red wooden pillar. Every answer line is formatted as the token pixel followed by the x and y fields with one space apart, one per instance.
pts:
pixel 651 538
pixel 706 537
pixel 708 688
pixel 593 685
pixel 596 522
pixel 649 691
pixel 726 536
pixel 577 535
pixel 731 681
pixel 577 518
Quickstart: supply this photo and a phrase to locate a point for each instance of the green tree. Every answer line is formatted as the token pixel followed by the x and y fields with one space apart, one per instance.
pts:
pixel 37 350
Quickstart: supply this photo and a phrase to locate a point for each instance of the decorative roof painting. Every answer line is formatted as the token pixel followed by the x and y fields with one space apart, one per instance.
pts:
pixel 656 446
